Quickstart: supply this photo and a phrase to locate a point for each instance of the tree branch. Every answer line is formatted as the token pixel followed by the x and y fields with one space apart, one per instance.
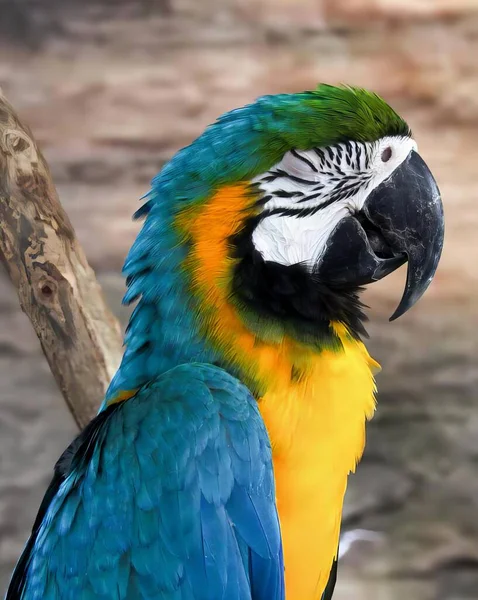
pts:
pixel 56 287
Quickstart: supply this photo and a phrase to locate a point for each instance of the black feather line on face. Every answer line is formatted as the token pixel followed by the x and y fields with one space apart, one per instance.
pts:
pixel 280 173
pixel 300 212
pixel 286 194
pixel 359 154
pixel 304 160
pixel 313 196
pixel 292 296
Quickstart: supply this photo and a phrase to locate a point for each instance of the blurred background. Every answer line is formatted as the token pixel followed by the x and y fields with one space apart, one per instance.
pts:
pixel 112 88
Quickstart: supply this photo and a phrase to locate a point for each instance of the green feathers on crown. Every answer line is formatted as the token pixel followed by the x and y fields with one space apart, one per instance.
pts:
pixel 330 115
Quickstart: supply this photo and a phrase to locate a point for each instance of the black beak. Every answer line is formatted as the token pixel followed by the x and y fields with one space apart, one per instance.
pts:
pixel 402 220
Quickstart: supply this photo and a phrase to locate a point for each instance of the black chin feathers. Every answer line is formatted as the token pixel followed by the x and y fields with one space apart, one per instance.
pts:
pixel 293 296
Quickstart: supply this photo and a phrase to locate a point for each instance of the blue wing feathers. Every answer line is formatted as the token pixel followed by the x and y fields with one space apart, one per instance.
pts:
pixel 63 466
pixel 168 495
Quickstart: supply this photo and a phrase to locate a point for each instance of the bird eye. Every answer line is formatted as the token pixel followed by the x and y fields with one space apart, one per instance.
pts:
pixel 386 154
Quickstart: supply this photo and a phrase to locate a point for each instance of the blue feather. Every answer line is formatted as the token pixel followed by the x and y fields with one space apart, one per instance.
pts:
pixel 159 500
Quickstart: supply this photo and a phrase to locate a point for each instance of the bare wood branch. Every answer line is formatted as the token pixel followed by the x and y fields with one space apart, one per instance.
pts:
pixel 57 288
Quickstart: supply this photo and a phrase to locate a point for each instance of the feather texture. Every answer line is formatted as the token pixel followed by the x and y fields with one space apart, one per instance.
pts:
pixel 162 500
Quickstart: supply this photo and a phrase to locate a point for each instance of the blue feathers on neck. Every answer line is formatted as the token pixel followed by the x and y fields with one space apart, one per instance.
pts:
pixel 162 330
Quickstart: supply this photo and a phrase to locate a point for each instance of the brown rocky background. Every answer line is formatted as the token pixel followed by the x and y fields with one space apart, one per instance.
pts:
pixel 111 88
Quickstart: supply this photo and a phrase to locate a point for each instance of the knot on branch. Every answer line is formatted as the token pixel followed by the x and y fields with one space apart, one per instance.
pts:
pixel 47 290
pixel 51 289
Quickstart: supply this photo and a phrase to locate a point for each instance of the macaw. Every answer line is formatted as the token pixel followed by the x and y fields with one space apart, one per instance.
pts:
pixel 220 456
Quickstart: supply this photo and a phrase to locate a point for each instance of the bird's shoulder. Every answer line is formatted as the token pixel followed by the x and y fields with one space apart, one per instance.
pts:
pixel 169 490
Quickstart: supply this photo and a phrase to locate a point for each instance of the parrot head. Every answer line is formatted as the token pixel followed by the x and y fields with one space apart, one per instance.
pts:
pixel 315 195
pixel 271 222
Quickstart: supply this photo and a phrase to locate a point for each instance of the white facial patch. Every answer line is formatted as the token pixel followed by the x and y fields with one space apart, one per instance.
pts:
pixel 307 193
